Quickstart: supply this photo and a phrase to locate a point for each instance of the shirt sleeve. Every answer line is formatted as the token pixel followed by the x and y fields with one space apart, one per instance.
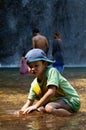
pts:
pixel 53 77
pixel 32 95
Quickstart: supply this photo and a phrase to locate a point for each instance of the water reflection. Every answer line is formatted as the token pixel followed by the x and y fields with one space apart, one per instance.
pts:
pixel 13 93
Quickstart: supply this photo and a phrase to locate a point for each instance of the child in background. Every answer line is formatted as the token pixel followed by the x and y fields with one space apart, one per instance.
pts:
pixel 23 65
pixel 57 52
pixel 54 93
pixel 40 41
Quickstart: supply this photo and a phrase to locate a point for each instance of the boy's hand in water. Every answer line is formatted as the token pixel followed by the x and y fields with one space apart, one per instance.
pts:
pixel 18 113
pixel 29 109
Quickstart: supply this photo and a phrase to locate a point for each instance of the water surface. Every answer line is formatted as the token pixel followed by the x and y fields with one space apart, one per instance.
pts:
pixel 13 94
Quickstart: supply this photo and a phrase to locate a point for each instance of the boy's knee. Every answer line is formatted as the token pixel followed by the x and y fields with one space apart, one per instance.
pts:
pixel 48 108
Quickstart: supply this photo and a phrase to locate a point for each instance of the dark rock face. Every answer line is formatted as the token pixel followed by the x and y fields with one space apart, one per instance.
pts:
pixel 18 17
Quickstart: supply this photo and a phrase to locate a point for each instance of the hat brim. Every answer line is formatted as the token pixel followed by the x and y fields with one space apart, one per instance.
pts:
pixel 42 59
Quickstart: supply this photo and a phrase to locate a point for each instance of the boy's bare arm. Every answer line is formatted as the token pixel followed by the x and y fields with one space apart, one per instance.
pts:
pixel 27 104
pixel 51 92
pixel 42 101
pixel 47 45
pixel 33 43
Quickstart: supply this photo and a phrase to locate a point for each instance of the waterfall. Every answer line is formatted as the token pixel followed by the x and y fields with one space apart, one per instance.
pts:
pixel 19 17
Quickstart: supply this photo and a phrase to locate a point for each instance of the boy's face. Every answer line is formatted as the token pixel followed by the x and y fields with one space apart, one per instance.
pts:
pixel 37 68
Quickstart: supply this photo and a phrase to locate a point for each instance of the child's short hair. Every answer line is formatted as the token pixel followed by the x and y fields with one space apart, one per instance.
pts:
pixel 57 34
pixel 35 30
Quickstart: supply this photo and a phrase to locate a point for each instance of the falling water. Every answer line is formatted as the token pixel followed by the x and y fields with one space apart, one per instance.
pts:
pixel 18 17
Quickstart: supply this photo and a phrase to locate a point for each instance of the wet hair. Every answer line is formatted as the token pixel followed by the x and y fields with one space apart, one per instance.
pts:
pixel 57 34
pixel 35 30
pixel 23 54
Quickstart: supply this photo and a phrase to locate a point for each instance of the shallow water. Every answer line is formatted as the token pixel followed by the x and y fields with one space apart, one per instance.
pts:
pixel 13 94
